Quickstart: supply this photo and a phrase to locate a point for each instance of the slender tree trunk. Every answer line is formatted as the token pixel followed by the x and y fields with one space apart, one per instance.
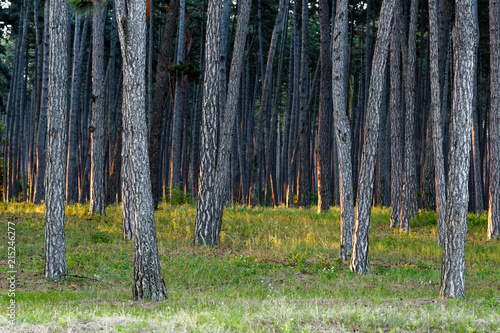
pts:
pixel 97 126
pixel 304 188
pixel 55 238
pixel 476 162
pixel 397 112
pixel 325 144
pixel 437 133
pixel 340 82
pixel 465 40
pixel 494 123
pixel 160 96
pixel 409 194
pixel 148 279
pixel 359 260
pixel 175 169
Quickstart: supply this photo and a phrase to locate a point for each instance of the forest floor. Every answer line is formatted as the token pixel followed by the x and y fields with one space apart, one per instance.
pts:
pixel 276 270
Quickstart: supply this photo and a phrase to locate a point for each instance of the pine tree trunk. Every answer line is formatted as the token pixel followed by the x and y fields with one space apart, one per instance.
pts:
pixel 465 41
pixel 340 82
pixel 148 279
pixel 97 125
pixel 397 111
pixel 409 194
pixel 175 169
pixel 478 182
pixel 359 260
pixel 165 54
pixel 437 133
pixel 55 239
pixel 325 144
pixel 494 123
pixel 207 233
pixel 304 188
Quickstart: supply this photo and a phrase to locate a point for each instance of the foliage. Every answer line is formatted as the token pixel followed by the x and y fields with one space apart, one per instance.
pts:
pixel 82 7
pixel 186 68
pixel 275 270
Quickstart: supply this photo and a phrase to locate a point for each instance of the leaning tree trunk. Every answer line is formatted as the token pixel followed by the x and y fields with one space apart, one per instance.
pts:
pixel 359 260
pixel 340 81
pixel 98 124
pixel 55 177
pixel 396 109
pixel 222 183
pixel 437 130
pixel 148 279
pixel 206 233
pixel 325 144
pixel 494 129
pixel 409 195
pixel 465 40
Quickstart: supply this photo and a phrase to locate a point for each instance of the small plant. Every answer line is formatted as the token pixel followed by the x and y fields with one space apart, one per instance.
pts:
pixel 100 237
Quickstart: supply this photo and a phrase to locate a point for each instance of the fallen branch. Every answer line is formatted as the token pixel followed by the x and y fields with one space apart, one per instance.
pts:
pixel 86 277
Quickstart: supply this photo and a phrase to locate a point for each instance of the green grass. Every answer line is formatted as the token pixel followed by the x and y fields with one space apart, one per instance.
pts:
pixel 275 270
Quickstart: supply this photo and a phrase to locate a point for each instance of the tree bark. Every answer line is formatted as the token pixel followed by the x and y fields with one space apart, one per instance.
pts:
pixel 304 188
pixel 97 125
pixel 340 81
pixel 409 194
pixel 325 89
pixel 465 40
pixel 55 238
pixel 359 261
pixel 437 133
pixel 148 279
pixel 206 233
pixel 494 123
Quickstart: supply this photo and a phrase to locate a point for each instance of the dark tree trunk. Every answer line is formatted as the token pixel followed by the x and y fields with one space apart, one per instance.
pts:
pixel 465 40
pixel 325 90
pixel 165 54
pixel 304 188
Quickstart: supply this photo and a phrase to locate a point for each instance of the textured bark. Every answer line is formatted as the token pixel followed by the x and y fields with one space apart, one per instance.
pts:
pixel 97 125
pixel 340 81
pixel 304 188
pixel 409 194
pixel 465 40
pixel 324 127
pixel 55 238
pixel 222 177
pixel 175 169
pixel 437 132
pixel 148 279
pixel 359 260
pixel 494 123
pixel 396 109
pixel 206 233
pixel 165 54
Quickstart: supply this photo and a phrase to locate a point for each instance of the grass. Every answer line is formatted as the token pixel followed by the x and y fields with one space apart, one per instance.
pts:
pixel 276 270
